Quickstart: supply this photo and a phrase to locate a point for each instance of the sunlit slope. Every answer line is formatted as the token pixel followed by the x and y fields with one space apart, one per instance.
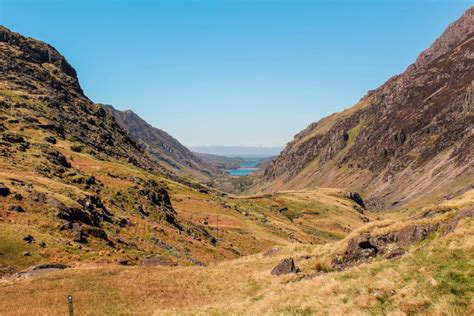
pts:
pixel 434 276
pixel 410 141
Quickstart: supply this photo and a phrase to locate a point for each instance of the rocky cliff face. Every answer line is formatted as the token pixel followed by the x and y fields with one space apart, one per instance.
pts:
pixel 161 146
pixel 410 139
pixel 36 79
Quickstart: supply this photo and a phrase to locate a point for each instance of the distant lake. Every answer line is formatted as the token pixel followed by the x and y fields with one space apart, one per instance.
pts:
pixel 247 166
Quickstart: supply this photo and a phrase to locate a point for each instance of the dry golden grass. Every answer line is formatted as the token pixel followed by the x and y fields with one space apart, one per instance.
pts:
pixel 434 279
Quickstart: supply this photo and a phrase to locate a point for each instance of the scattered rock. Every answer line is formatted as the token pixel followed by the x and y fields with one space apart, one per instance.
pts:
pixel 354 196
pixel 16 208
pixel 359 249
pixel 95 232
pixel 29 239
pixel 271 251
pixel 123 262
pixel 78 236
pixel 158 261
pixel 4 191
pixel 50 266
pixel 414 233
pixel 76 148
pixel 56 158
pixel 13 138
pixel 285 266
pixel 123 222
pixel 451 225
pixel 394 254
pixel 50 139
pixel 74 214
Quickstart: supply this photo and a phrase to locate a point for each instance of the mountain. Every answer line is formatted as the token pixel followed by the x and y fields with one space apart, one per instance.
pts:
pixel 161 146
pixel 81 183
pixel 41 88
pixel 409 141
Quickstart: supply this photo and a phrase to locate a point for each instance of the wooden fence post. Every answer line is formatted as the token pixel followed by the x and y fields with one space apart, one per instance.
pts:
pixel 70 306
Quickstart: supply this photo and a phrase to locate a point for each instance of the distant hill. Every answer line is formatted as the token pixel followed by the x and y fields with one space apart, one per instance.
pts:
pixel 161 146
pixel 238 151
pixel 220 162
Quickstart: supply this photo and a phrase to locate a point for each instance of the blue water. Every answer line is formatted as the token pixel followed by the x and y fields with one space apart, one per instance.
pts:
pixel 248 166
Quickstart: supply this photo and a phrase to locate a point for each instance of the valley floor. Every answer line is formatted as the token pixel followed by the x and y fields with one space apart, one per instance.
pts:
pixel 434 277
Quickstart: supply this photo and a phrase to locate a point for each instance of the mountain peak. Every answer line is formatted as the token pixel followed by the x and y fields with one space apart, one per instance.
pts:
pixel 454 35
pixel 39 53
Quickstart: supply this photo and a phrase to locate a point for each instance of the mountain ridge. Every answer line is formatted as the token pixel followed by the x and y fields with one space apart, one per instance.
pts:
pixel 395 133
pixel 161 146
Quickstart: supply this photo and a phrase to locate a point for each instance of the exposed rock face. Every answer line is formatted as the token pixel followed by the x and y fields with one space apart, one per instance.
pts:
pixel 414 233
pixel 451 226
pixel 153 202
pixel 48 85
pixel 161 146
pixel 354 196
pixel 284 267
pixel 56 158
pixel 393 245
pixel 405 139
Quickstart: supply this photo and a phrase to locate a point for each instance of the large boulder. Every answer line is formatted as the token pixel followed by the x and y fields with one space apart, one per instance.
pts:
pixel 285 266
pixel 356 197
pixel 56 158
pixel 95 232
pixel 414 233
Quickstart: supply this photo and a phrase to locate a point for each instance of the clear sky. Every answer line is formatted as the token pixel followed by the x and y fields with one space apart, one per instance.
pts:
pixel 233 72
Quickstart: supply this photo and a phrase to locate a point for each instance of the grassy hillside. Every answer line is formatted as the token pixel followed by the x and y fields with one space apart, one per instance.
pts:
pixel 434 277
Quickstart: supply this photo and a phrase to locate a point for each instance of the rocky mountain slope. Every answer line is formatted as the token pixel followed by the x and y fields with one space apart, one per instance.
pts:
pixel 409 141
pixel 162 147
pixel 40 88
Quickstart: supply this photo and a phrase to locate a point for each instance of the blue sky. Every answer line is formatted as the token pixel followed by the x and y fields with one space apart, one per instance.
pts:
pixel 233 72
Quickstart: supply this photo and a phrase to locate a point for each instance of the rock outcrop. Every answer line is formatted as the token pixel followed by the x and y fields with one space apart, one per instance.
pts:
pixel 285 266
pixel 392 245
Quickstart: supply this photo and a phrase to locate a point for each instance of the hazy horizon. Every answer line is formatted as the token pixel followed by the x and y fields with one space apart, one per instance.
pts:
pixel 238 73
pixel 238 151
